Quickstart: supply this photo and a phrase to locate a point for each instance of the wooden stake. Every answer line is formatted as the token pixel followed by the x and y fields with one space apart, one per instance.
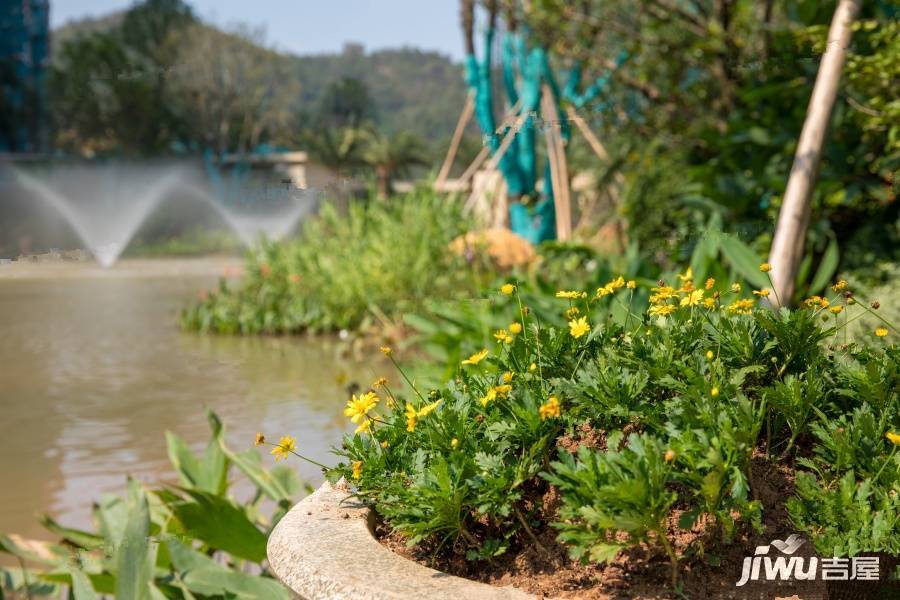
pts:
pixel 559 171
pixel 592 140
pixel 793 220
pixel 464 117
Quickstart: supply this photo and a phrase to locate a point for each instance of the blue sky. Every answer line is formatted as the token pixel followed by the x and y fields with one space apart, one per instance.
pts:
pixel 316 26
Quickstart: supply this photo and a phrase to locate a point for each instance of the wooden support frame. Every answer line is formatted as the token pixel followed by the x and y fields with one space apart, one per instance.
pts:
pixel 464 117
pixel 559 169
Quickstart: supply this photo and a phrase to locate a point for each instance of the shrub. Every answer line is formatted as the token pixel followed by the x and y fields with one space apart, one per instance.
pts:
pixel 380 258
pixel 682 400
pixel 185 541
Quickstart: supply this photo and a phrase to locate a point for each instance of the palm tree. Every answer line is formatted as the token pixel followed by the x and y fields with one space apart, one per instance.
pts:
pixel 338 149
pixel 390 155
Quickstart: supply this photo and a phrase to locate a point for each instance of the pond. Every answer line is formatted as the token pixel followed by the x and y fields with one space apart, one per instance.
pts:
pixel 94 370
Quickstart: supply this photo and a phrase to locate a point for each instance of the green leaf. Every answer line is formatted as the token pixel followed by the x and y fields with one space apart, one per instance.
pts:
pixel 76 537
pixel 827 268
pixel 744 261
pixel 133 573
pixel 81 585
pixel 250 463
pixel 221 524
pixel 208 473
pixel 604 552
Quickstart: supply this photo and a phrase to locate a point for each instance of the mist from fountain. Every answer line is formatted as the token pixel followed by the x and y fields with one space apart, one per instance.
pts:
pixel 104 208
pixel 250 217
pixel 106 204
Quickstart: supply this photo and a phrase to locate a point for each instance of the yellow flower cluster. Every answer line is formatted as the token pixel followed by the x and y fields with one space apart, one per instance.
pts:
pixel 881 331
pixel 501 335
pixel 816 302
pixel 741 307
pixel 612 286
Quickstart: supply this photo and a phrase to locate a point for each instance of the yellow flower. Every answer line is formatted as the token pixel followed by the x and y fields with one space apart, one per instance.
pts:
pixel 741 307
pixel 710 283
pixel 532 367
pixel 840 286
pixel 285 446
pixel 508 376
pixel 476 358
pixel 358 408
pixel 617 283
pixel 260 439
pixel 661 294
pixel 765 267
pixel 385 444
pixel 454 443
pixel 761 293
pixel 819 301
pixel 364 427
pixel 428 408
pixel 692 299
pixel 488 397
pixel 836 309
pixel 571 295
pixel 410 414
pixel 515 328
pixel 736 288
pixel 380 382
pixel 507 288
pixel 549 409
pixel 572 312
pixel 386 350
pixel 881 331
pixel 500 335
pixel 709 355
pixel 661 310
pixel 687 275
pixel 714 392
pixel 669 456
pixel 893 437
pixel 508 339
pixel 357 468
pixel 709 303
pixel 579 327
pixel 631 284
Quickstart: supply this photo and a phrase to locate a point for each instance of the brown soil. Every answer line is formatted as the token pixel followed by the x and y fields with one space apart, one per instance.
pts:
pixel 640 573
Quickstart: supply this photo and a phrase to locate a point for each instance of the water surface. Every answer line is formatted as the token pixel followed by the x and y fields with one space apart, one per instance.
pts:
pixel 94 370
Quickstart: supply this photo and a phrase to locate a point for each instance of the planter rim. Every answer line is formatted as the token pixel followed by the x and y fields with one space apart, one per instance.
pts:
pixel 324 548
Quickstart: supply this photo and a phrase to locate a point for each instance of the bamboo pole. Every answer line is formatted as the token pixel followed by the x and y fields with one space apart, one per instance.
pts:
pixel 559 171
pixel 793 219
pixel 592 140
pixel 464 117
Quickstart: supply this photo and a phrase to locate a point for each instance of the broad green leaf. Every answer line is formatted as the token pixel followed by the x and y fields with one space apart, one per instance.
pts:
pixel 112 515
pixel 827 268
pixel 81 585
pixel 82 539
pixel 207 473
pixel 133 572
pixel 234 584
pixel 744 261
pixel 250 463
pixel 221 524
pixel 14 547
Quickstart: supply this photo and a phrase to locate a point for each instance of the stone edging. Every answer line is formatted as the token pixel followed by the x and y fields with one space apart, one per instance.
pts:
pixel 323 548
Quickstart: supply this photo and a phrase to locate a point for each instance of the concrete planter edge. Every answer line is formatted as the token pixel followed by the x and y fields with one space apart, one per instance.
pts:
pixel 323 548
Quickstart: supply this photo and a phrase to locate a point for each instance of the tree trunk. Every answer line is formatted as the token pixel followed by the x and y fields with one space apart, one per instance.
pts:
pixel 793 220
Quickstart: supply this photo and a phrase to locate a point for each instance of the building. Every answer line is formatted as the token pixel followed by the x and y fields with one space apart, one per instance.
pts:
pixel 24 60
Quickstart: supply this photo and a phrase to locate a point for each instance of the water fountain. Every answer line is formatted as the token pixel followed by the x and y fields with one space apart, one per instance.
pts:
pixel 106 204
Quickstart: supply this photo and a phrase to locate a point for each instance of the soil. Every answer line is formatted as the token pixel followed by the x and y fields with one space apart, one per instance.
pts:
pixel 641 573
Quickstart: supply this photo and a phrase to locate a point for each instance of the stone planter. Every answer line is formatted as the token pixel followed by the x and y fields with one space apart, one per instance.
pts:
pixel 324 549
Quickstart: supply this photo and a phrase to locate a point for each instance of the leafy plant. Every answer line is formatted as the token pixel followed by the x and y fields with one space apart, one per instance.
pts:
pixel 186 541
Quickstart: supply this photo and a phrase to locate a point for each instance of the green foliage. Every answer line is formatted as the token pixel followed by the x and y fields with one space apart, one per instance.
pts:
pixel 632 419
pixel 190 541
pixel 381 258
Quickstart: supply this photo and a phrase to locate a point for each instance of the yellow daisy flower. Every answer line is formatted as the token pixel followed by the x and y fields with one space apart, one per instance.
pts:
pixel 579 327
pixel 476 358
pixel 283 450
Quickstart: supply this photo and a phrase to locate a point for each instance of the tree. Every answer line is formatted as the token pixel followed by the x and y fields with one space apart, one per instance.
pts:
pixel 346 103
pixel 390 155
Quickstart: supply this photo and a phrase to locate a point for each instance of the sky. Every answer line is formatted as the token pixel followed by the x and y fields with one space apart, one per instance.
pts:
pixel 316 26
